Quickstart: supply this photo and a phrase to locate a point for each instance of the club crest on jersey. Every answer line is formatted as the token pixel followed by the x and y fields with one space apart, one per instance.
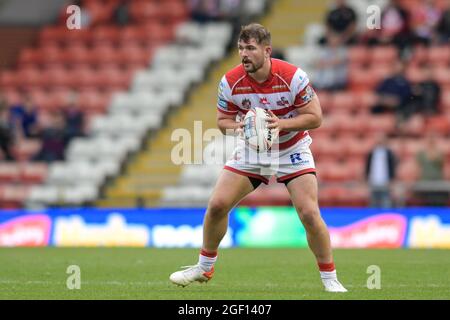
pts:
pixel 282 102
pixel 264 101
pixel 246 104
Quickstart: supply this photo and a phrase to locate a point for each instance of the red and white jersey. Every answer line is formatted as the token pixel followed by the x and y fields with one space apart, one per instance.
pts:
pixel 286 90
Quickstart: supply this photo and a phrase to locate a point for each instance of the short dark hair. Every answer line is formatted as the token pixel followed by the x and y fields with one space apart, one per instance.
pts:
pixel 257 32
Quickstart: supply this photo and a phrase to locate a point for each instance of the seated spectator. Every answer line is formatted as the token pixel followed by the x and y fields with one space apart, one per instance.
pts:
pixel 431 159
pixel 331 65
pixel 121 13
pixel 74 118
pixel 341 23
pixel 54 138
pixel 24 117
pixel 394 94
pixel 203 11
pixel 380 172
pixel 431 164
pixel 443 26
pixel 427 95
pixel 424 19
pixel 395 27
pixel 6 134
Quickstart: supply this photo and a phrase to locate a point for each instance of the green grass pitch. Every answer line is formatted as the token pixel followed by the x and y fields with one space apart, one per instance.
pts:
pixel 263 274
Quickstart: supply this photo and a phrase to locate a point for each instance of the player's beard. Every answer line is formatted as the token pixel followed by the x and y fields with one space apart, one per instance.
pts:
pixel 255 67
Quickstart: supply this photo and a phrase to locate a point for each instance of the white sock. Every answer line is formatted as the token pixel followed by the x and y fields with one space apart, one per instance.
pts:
pixel 326 275
pixel 206 262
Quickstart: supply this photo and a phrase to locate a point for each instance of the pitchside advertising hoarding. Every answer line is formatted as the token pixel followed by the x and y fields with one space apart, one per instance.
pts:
pixel 248 227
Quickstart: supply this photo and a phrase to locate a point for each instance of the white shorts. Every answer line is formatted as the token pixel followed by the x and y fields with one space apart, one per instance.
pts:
pixel 285 164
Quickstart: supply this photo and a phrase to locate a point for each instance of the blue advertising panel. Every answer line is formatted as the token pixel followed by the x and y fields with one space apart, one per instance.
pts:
pixel 248 227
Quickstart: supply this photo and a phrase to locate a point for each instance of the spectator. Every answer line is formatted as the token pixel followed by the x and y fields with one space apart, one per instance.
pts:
pixel 427 94
pixel 24 117
pixel 121 13
pixel 380 172
pixel 331 65
pixel 74 118
pixel 424 19
pixel 431 164
pixel 54 138
pixel 395 27
pixel 394 94
pixel 341 23
pixel 431 159
pixel 443 27
pixel 203 11
pixel 6 134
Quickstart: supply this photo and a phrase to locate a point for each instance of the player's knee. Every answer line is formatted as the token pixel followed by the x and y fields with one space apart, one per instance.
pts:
pixel 218 207
pixel 310 217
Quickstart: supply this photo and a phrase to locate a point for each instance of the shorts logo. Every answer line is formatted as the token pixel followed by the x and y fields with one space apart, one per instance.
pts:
pixel 297 160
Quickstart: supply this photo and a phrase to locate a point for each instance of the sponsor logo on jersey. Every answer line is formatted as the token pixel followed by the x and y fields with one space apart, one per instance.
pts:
pixel 282 102
pixel 243 88
pixel 279 87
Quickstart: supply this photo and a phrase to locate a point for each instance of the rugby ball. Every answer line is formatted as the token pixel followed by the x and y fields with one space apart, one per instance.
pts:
pixel 256 133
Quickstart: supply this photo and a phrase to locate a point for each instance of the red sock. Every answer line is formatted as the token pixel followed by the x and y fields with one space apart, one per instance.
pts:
pixel 205 253
pixel 327 267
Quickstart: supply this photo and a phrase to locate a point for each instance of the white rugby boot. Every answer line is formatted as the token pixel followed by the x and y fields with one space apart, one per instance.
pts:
pixel 333 285
pixel 191 274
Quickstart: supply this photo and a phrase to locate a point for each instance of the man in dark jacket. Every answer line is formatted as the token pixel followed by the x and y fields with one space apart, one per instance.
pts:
pixel 380 172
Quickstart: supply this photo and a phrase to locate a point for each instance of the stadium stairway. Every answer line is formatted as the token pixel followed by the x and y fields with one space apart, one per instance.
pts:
pixel 152 170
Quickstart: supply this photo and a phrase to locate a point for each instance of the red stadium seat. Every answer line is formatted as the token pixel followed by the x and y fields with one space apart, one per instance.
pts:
pixel 158 33
pixel 105 54
pixel 415 73
pixel 24 150
pixel 30 58
pixel 439 55
pixel 344 102
pixel 134 55
pixel 383 55
pixel 438 124
pixel 408 171
pixel 414 126
pixel 358 55
pixel 9 172
pixel 93 101
pixel 9 79
pixel 33 173
pixel 77 55
pixel 442 76
pixel 105 35
pixel 361 79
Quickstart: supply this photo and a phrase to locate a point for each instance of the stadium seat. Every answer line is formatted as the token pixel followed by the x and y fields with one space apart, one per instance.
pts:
pixel 438 124
pixel 382 55
pixel 358 55
pixel 439 56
